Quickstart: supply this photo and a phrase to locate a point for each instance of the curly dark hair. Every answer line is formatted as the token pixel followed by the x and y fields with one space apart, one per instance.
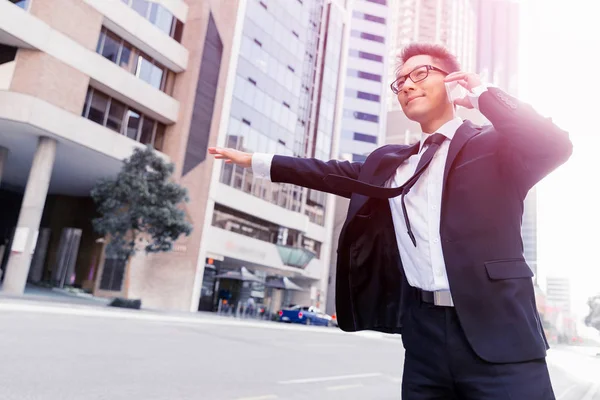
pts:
pixel 440 54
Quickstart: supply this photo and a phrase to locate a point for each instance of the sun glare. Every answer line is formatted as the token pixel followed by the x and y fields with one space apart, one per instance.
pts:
pixel 560 56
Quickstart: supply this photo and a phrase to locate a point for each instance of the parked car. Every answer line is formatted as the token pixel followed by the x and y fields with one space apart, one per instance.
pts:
pixel 305 315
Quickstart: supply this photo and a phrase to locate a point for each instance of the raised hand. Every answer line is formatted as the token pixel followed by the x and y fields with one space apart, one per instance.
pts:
pixel 232 156
pixel 467 80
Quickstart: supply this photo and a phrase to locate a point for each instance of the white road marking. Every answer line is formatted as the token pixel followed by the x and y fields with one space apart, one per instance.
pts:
pixel 589 395
pixel 91 311
pixel 329 378
pixel 345 387
pixel 267 397
pixel 564 394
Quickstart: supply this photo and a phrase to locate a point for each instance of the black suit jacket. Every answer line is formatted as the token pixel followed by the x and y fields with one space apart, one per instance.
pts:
pixel 488 172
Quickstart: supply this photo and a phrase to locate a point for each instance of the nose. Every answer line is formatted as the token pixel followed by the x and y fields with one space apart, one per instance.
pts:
pixel 408 86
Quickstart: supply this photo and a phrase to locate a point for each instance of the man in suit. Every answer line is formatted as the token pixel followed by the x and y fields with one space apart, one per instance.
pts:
pixel 432 246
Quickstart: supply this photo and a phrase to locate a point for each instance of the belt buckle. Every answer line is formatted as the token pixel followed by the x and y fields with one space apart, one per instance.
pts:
pixel 443 298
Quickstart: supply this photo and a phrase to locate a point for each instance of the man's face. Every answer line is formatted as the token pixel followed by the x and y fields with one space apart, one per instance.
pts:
pixel 425 99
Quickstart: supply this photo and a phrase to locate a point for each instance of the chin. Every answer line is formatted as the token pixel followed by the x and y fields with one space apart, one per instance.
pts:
pixel 416 115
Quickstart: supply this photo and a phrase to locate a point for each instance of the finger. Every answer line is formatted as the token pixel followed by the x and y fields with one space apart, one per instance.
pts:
pixel 464 102
pixel 455 76
pixel 213 150
pixel 220 156
pixel 464 84
pixel 228 161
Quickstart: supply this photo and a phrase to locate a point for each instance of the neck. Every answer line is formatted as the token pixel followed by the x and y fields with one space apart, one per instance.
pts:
pixel 434 124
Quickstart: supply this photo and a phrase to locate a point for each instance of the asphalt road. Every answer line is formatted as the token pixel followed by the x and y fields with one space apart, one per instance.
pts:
pixel 53 352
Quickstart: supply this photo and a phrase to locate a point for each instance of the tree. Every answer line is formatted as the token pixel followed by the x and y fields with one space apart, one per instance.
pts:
pixel 593 319
pixel 142 205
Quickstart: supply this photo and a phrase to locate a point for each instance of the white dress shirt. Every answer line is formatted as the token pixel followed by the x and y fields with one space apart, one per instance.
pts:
pixel 424 265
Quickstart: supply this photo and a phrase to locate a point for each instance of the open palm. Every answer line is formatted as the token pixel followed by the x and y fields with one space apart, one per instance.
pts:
pixel 232 156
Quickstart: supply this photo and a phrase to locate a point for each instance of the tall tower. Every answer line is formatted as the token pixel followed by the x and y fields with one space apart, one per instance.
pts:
pixel 452 23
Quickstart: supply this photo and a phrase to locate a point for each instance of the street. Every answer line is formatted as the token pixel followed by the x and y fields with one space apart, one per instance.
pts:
pixel 54 351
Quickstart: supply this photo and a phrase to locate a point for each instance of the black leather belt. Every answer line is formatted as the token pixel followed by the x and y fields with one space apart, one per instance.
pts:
pixel 441 298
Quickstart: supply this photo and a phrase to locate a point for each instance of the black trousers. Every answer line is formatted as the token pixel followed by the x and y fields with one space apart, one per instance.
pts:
pixel 440 364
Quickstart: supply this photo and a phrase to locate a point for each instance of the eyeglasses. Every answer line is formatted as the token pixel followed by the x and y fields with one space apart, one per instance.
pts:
pixel 416 75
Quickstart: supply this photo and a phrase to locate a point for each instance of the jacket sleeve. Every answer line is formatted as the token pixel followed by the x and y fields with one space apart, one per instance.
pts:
pixel 533 145
pixel 309 172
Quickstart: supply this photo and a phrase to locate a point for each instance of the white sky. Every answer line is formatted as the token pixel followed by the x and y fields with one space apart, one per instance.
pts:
pixel 560 77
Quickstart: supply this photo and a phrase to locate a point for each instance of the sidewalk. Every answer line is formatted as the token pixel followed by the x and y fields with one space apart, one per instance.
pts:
pixel 56 295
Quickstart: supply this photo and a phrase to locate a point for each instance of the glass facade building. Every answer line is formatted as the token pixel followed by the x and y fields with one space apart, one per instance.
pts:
pixel 284 99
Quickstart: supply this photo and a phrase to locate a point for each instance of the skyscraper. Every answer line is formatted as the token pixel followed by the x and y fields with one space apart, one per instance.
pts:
pixel 452 23
pixel 364 115
pixel 365 88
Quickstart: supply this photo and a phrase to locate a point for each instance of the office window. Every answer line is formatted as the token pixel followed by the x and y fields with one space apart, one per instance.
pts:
pixel 116 116
pixel 97 107
pixel 363 95
pixel 368 17
pixel 361 137
pixel 147 130
pixel 361 116
pixel 368 36
pixel 116 113
pixel 382 2
pixel 120 52
pixel 132 122
pixel 364 75
pixel 141 7
pixel 368 96
pixel 159 16
pixel 365 56
pixel 109 45
pixel 150 71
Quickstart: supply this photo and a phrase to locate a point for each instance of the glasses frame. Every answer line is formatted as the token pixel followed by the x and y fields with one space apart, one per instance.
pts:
pixel 427 67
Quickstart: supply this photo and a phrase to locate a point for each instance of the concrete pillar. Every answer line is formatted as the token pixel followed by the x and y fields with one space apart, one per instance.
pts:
pixel 3 155
pixel 30 217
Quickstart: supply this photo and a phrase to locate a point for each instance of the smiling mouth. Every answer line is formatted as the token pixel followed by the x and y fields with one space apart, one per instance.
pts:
pixel 412 98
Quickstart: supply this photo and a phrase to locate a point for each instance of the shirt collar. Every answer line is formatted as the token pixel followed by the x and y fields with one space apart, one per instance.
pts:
pixel 448 129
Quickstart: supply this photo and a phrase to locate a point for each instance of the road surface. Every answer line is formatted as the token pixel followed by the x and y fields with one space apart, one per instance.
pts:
pixel 53 351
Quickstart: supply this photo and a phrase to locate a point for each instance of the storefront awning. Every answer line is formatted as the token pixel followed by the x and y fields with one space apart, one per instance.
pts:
pixel 294 256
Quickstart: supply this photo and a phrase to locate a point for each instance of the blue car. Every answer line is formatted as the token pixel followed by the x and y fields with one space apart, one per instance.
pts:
pixel 305 315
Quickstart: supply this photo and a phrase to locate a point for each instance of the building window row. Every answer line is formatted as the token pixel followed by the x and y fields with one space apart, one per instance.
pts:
pixel 367 36
pixel 122 53
pixel 159 16
pixel 248 225
pixel 365 56
pixel 368 17
pixel 123 119
pixel 361 116
pixel 363 95
pixel 362 137
pixel 364 75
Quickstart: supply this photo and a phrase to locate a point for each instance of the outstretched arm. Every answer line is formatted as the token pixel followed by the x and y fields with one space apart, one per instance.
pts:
pixel 305 172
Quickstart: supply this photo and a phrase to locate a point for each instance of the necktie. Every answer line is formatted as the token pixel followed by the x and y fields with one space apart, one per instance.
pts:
pixel 352 185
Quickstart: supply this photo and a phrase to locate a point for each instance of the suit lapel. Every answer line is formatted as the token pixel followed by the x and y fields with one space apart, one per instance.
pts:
pixel 464 133
pixel 385 168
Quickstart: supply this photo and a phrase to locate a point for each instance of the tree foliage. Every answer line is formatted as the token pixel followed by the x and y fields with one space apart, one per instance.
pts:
pixel 141 206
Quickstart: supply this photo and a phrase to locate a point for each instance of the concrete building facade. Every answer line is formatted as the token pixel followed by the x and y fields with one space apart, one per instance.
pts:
pixel 84 83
